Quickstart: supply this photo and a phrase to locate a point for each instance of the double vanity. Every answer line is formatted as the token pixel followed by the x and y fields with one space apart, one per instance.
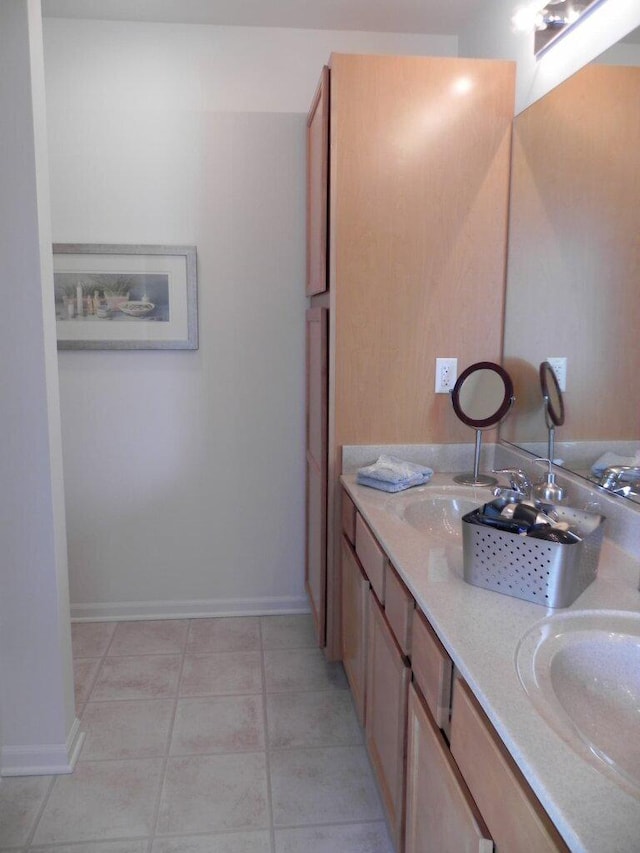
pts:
pixel 538 749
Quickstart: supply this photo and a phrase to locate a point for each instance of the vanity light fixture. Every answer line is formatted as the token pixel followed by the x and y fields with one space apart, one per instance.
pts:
pixel 550 19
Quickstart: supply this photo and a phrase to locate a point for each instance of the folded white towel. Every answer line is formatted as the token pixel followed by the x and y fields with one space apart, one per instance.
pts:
pixel 392 487
pixel 392 474
pixel 609 459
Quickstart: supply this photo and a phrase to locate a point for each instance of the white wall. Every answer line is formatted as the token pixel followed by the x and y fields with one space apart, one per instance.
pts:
pixel 184 471
pixel 491 35
pixel 36 680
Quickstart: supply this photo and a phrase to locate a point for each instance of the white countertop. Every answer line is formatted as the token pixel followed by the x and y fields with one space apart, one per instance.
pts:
pixel 480 630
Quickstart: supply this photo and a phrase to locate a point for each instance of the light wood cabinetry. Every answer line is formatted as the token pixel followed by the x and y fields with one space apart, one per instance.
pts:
pixel 441 815
pixel 469 797
pixel 515 819
pixel 399 608
pixel 355 601
pixel 417 188
pixel 316 464
pixel 318 187
pixel 386 716
pixel 372 558
pixel 348 518
pixel 432 670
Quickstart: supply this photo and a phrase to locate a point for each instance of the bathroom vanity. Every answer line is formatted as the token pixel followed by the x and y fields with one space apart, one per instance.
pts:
pixel 463 758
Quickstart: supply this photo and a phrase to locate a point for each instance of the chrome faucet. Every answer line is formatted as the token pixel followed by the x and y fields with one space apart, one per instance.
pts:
pixel 621 479
pixel 519 484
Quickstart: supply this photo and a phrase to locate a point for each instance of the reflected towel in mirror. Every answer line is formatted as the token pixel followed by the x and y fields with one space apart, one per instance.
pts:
pixel 609 459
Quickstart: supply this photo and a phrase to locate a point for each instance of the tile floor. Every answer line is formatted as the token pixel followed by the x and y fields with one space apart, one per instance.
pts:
pixel 204 736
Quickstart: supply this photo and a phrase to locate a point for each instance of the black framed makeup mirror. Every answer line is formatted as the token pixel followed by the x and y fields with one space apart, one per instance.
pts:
pixel 482 398
pixel 553 403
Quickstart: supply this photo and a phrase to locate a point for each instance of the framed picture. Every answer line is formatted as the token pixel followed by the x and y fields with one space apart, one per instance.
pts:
pixel 125 297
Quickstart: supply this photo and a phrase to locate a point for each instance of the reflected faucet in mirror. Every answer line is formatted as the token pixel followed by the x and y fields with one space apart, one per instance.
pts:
pixel 621 480
pixel 481 398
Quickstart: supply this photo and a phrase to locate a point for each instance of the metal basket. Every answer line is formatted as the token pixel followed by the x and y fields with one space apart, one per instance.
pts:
pixel 548 573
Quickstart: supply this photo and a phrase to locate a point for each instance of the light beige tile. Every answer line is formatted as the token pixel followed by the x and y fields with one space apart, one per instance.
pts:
pixel 91 639
pixel 348 838
pixel 153 637
pixel 20 801
pixel 137 677
pixel 288 632
pixel 214 793
pixel 101 800
pixel 316 786
pixel 221 674
pixel 316 718
pixel 96 847
pixel 235 842
pixel 218 724
pixel 84 675
pixel 126 729
pixel 292 670
pixel 224 634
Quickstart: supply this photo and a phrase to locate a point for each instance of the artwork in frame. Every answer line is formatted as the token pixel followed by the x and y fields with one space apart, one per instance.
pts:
pixel 110 296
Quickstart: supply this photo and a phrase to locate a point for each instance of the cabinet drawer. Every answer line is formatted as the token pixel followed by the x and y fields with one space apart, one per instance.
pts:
pixel 515 818
pixel 441 815
pixel 399 606
pixel 371 556
pixel 349 518
pixel 432 669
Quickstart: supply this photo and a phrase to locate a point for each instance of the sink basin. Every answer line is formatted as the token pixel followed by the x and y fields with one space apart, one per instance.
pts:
pixel 437 511
pixel 582 673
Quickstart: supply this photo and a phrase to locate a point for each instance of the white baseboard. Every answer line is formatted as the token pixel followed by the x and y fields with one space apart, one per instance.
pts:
pixel 43 759
pixel 136 610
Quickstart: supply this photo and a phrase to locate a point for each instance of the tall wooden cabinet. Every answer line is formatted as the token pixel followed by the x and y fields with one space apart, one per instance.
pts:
pixel 316 466
pixel 416 176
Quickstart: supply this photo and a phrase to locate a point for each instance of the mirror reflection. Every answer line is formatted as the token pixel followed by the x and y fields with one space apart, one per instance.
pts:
pixel 481 398
pixel 553 405
pixel 574 255
pixel 555 18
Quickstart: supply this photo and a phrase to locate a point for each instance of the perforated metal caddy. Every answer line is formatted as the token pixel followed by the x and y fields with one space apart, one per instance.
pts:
pixel 548 573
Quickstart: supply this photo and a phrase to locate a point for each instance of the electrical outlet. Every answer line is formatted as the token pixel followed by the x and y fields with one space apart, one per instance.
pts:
pixel 446 374
pixel 559 367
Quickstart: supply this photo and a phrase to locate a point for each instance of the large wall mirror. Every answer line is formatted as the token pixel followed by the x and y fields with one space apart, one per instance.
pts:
pixel 573 288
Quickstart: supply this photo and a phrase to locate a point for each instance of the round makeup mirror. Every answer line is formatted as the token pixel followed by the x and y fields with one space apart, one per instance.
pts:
pixel 553 403
pixel 482 397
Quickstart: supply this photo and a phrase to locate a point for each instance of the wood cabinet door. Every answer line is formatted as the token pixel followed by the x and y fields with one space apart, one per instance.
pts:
pixel 441 815
pixel 386 716
pixel 517 821
pixel 355 597
pixel 318 187
pixel 316 485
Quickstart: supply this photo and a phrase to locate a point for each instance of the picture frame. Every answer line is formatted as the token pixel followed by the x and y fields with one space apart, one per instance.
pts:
pixel 117 296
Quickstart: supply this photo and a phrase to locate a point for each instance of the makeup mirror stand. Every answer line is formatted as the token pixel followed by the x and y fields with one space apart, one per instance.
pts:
pixel 475 478
pixel 551 440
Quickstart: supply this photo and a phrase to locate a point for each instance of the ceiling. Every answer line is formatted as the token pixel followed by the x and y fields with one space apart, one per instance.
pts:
pixel 438 17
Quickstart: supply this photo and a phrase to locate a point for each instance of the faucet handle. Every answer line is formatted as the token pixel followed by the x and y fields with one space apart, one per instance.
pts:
pixel 518 479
